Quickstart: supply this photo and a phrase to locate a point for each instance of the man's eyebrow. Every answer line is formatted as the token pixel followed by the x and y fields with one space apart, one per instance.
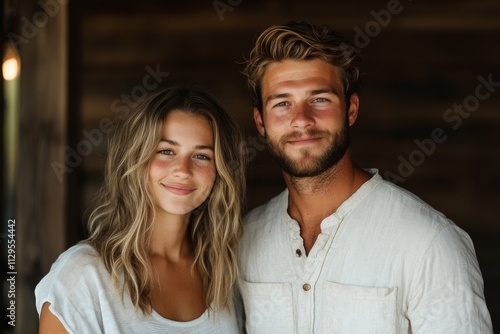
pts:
pixel 277 96
pixel 324 90
pixel 198 147
pixel 313 92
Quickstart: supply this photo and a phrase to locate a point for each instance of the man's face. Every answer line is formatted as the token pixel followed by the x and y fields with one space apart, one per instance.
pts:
pixel 304 117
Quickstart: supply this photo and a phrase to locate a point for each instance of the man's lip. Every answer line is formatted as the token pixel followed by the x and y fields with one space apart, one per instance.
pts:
pixel 179 189
pixel 303 141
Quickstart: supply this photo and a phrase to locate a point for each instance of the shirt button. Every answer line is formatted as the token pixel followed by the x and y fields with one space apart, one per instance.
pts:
pixel 306 287
pixel 298 252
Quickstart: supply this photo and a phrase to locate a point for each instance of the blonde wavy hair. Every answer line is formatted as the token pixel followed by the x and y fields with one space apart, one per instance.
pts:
pixel 121 224
pixel 301 41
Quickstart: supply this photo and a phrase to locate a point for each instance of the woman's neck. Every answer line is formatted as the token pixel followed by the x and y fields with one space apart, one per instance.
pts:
pixel 170 238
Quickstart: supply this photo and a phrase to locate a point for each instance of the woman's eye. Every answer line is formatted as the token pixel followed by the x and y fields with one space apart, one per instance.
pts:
pixel 202 157
pixel 166 152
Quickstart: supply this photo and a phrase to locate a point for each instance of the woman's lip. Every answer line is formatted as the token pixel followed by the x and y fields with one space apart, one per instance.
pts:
pixel 178 189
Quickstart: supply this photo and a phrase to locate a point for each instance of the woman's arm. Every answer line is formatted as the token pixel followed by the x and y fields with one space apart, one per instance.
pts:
pixel 49 323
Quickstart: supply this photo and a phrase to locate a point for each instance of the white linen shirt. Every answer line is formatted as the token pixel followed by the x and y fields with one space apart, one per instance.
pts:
pixel 81 295
pixel 384 262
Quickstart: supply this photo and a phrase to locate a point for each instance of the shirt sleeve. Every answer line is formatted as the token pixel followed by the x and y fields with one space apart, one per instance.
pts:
pixel 447 289
pixel 68 287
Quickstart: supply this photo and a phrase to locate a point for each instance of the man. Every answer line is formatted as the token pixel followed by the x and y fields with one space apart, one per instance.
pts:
pixel 341 250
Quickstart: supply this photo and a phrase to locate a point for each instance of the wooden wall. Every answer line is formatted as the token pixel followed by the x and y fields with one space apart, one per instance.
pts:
pixel 420 61
pixel 40 196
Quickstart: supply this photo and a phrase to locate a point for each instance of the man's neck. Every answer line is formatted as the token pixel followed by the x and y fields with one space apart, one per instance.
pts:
pixel 313 199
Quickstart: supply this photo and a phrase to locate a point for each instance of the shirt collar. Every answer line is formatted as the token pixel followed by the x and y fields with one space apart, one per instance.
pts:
pixel 329 222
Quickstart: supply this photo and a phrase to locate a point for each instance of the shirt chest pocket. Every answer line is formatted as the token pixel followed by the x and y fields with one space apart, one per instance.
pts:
pixel 268 307
pixel 356 309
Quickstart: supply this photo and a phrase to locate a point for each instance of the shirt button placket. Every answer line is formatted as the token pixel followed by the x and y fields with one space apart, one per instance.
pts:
pixel 306 299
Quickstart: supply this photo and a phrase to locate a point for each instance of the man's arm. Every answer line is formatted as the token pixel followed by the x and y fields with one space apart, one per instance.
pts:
pixel 446 293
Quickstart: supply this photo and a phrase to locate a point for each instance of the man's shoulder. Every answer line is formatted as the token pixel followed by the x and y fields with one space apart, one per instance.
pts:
pixel 405 199
pixel 406 212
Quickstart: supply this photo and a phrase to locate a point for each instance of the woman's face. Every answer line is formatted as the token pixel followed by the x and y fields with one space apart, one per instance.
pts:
pixel 182 170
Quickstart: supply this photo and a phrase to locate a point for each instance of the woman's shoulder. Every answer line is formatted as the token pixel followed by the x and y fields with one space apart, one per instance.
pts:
pixel 79 263
pixel 79 257
pixel 81 250
pixel 78 272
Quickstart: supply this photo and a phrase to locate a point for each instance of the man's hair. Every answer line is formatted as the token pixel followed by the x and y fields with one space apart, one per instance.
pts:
pixel 301 41
pixel 121 224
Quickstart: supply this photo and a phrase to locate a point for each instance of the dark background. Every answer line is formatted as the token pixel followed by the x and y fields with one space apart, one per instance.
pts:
pixel 421 59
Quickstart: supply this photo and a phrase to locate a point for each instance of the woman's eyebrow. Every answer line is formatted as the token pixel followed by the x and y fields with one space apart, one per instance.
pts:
pixel 175 143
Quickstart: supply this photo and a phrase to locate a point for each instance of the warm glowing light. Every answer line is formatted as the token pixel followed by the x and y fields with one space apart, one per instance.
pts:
pixel 10 69
pixel 11 65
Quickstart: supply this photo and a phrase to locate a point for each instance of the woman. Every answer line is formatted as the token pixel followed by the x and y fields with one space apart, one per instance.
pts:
pixel 161 252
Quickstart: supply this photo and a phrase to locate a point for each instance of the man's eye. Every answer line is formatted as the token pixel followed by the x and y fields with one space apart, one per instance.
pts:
pixel 281 104
pixel 320 99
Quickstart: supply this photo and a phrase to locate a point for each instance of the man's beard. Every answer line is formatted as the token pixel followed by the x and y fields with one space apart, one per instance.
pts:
pixel 302 168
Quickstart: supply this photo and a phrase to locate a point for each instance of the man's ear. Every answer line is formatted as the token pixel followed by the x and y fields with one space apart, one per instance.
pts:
pixel 352 113
pixel 259 122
